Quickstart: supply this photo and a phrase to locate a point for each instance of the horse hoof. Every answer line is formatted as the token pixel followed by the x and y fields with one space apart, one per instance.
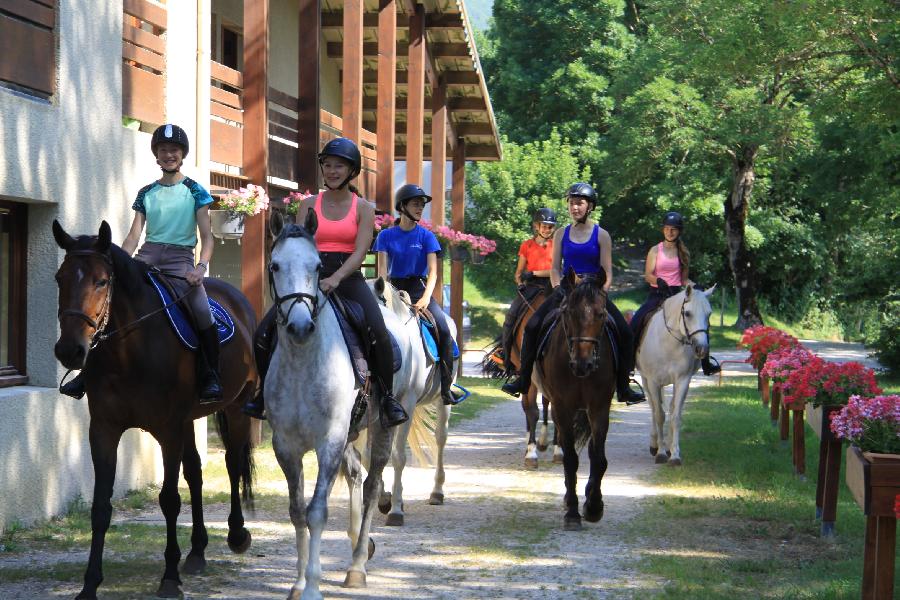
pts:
pixel 674 462
pixel 295 594
pixel 558 458
pixel 371 548
pixel 355 579
pixel 591 515
pixel 169 588
pixel 531 463
pixel 86 596
pixel 394 520
pixel 194 564
pixel 827 531
pixel 384 503
pixel 661 458
pixel 436 499
pixel 542 447
pixel 240 542
pixel 653 451
pixel 573 524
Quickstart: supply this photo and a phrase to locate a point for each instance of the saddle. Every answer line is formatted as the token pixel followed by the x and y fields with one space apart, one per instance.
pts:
pixel 179 313
pixel 351 320
pixel 552 319
pixel 430 335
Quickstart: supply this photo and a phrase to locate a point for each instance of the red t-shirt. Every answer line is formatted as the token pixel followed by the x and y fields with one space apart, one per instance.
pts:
pixel 537 257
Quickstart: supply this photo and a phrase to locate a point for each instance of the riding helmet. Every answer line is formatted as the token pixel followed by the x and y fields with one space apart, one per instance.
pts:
pixel 673 219
pixel 544 215
pixel 584 190
pixel 346 149
pixel 172 134
pixel 408 192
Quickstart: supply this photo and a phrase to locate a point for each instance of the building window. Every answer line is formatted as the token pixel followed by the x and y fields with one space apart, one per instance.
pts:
pixel 28 46
pixel 13 228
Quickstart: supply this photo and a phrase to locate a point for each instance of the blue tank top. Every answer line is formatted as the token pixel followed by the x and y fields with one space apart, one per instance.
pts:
pixel 583 258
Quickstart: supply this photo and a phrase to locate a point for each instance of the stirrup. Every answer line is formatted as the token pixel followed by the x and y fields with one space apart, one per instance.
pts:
pixel 255 408
pixel 398 416
pixel 714 366
pixel 74 388
pixel 631 397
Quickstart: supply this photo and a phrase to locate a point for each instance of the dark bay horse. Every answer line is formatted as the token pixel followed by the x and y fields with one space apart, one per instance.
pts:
pixel 137 374
pixel 577 374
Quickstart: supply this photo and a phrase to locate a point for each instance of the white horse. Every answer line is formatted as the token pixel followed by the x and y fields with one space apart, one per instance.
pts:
pixel 310 394
pixel 676 338
pixel 425 388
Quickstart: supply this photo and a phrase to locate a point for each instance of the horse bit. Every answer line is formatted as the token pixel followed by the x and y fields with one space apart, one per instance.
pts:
pixel 686 341
pixel 309 300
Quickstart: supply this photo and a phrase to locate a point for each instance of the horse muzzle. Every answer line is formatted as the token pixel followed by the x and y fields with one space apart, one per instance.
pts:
pixel 70 354
pixel 583 367
pixel 298 330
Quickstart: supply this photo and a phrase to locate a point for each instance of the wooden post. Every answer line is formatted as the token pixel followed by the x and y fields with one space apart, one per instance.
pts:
pixel 799 446
pixel 415 102
pixel 830 485
pixel 352 90
pixel 775 405
pixel 764 389
pixel 387 111
pixel 879 557
pixel 785 420
pixel 458 213
pixel 308 116
pixel 438 170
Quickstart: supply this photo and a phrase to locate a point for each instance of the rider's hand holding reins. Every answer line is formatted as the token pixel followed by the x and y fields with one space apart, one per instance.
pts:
pixel 195 276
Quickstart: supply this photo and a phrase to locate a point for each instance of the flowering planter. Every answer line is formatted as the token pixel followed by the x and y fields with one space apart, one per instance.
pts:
pixel 477 258
pixel 764 389
pixel 226 225
pixel 459 253
pixel 874 482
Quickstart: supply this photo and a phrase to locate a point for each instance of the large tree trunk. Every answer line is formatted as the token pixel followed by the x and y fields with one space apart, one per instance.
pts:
pixel 736 207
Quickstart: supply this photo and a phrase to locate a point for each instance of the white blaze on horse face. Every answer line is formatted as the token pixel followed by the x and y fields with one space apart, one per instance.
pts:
pixel 696 318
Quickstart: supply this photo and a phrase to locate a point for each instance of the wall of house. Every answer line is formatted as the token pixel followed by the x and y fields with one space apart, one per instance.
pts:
pixel 71 159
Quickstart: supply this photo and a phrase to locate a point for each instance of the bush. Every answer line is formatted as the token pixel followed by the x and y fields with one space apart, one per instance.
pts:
pixel 887 340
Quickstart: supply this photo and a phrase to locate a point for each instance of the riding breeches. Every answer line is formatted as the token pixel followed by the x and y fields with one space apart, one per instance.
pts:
pixel 179 260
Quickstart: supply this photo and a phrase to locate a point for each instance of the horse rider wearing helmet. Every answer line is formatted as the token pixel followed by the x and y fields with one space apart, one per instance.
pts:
pixel 585 248
pixel 666 270
pixel 343 237
pixel 408 255
pixel 173 208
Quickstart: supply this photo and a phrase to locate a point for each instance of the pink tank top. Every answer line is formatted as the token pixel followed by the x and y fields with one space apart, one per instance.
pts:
pixel 336 236
pixel 667 269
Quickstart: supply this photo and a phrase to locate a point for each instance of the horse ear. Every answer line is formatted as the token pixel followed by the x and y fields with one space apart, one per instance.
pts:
pixel 379 286
pixel 710 291
pixel 571 278
pixel 104 239
pixel 601 277
pixel 687 291
pixel 276 223
pixel 311 223
pixel 63 239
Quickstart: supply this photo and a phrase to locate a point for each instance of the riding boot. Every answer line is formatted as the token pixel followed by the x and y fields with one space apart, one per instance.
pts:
pixel 447 394
pixel 263 346
pixel 523 382
pixel 708 367
pixel 208 361
pixel 74 387
pixel 392 412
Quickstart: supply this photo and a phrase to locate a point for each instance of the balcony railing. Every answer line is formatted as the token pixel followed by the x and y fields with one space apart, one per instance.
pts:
pixel 144 61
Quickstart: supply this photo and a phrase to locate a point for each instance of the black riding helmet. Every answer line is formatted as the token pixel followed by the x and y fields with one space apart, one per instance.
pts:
pixel 673 219
pixel 544 215
pixel 584 190
pixel 172 134
pixel 346 149
pixel 405 194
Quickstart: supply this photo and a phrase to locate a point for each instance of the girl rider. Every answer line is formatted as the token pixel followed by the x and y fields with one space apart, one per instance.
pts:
pixel 532 273
pixel 173 208
pixel 343 237
pixel 666 270
pixel 409 252
pixel 586 248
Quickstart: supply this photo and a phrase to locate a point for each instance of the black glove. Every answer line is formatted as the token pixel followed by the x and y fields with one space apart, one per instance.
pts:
pixel 526 276
pixel 559 293
pixel 661 285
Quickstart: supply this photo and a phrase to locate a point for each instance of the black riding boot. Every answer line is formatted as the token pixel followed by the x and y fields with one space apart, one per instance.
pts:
pixel 523 382
pixel 708 367
pixel 74 387
pixel 264 342
pixel 208 362
pixel 392 412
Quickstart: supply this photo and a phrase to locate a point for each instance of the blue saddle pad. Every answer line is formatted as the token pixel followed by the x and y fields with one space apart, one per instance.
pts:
pixel 352 321
pixel 181 323
pixel 428 340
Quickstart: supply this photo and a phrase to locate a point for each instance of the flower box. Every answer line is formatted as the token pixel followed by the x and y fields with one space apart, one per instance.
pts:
pixel 477 257
pixel 226 225
pixel 459 253
pixel 819 420
pixel 874 481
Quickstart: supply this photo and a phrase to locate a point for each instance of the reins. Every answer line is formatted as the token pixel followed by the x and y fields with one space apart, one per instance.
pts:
pixel 685 341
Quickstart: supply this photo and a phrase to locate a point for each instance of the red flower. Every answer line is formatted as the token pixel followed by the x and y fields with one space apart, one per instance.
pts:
pixel 897 506
pixel 762 340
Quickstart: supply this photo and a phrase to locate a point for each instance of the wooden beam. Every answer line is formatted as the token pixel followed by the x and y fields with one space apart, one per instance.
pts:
pixel 473 151
pixel 415 106
pixel 352 47
pixel 465 104
pixel 255 145
pixel 438 50
pixel 457 222
pixel 386 110
pixel 308 103
pixel 438 169
pixel 449 78
pixel 437 21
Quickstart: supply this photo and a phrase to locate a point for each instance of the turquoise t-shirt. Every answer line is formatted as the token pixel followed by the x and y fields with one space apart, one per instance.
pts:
pixel 171 211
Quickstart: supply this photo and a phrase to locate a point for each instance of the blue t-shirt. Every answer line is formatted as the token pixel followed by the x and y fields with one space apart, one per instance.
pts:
pixel 407 250
pixel 171 211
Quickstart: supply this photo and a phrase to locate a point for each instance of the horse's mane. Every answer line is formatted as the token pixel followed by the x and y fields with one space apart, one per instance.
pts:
pixel 589 290
pixel 292 230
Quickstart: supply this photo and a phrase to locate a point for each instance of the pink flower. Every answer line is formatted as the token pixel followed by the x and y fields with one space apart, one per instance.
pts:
pixel 873 424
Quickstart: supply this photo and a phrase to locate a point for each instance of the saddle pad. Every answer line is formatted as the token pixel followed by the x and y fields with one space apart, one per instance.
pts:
pixel 350 323
pixel 183 324
pixel 429 341
pixel 550 323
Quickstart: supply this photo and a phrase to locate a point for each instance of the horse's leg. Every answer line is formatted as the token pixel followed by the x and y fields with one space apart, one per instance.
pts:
pixel 104 442
pixel 195 563
pixel 593 502
pixel 170 503
pixel 290 459
pixel 658 443
pixel 380 453
pixel 441 426
pixel 351 467
pixel 545 427
pixel 398 460
pixel 235 428
pixel 329 456
pixel 565 427
pixel 532 414
pixel 679 394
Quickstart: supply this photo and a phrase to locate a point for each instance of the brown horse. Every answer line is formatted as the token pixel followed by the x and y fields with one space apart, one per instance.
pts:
pixel 577 374
pixel 137 374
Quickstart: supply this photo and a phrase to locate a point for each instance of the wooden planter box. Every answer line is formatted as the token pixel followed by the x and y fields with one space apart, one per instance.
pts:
pixel 819 419
pixel 829 475
pixel 874 481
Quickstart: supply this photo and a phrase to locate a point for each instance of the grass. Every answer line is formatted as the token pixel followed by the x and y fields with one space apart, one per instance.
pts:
pixel 737 522
pixel 485 394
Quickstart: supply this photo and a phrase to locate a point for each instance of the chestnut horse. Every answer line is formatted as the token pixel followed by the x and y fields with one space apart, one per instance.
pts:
pixel 138 374
pixel 577 374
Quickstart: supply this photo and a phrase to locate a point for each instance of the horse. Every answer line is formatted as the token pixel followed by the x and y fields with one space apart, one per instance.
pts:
pixel 311 393
pixel 425 389
pixel 577 374
pixel 675 340
pixel 138 374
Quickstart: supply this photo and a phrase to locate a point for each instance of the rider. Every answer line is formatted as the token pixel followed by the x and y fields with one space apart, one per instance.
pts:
pixel 532 273
pixel 173 208
pixel 666 270
pixel 409 252
pixel 343 237
pixel 586 248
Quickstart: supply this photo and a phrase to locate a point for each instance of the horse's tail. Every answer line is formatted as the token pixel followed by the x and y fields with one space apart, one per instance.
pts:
pixel 422 442
pixel 493 364
pixel 581 429
pixel 247 464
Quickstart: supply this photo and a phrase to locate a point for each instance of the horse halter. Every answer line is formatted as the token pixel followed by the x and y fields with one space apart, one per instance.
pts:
pixel 572 340
pixel 687 340
pixel 311 301
pixel 98 325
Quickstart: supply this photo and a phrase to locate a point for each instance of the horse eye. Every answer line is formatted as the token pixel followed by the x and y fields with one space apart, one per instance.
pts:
pixel 273 267
pixel 687 314
pixel 102 283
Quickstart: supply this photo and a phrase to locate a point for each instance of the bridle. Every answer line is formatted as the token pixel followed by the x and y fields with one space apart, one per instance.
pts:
pixel 311 301
pixel 571 341
pixel 687 339
pixel 98 325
